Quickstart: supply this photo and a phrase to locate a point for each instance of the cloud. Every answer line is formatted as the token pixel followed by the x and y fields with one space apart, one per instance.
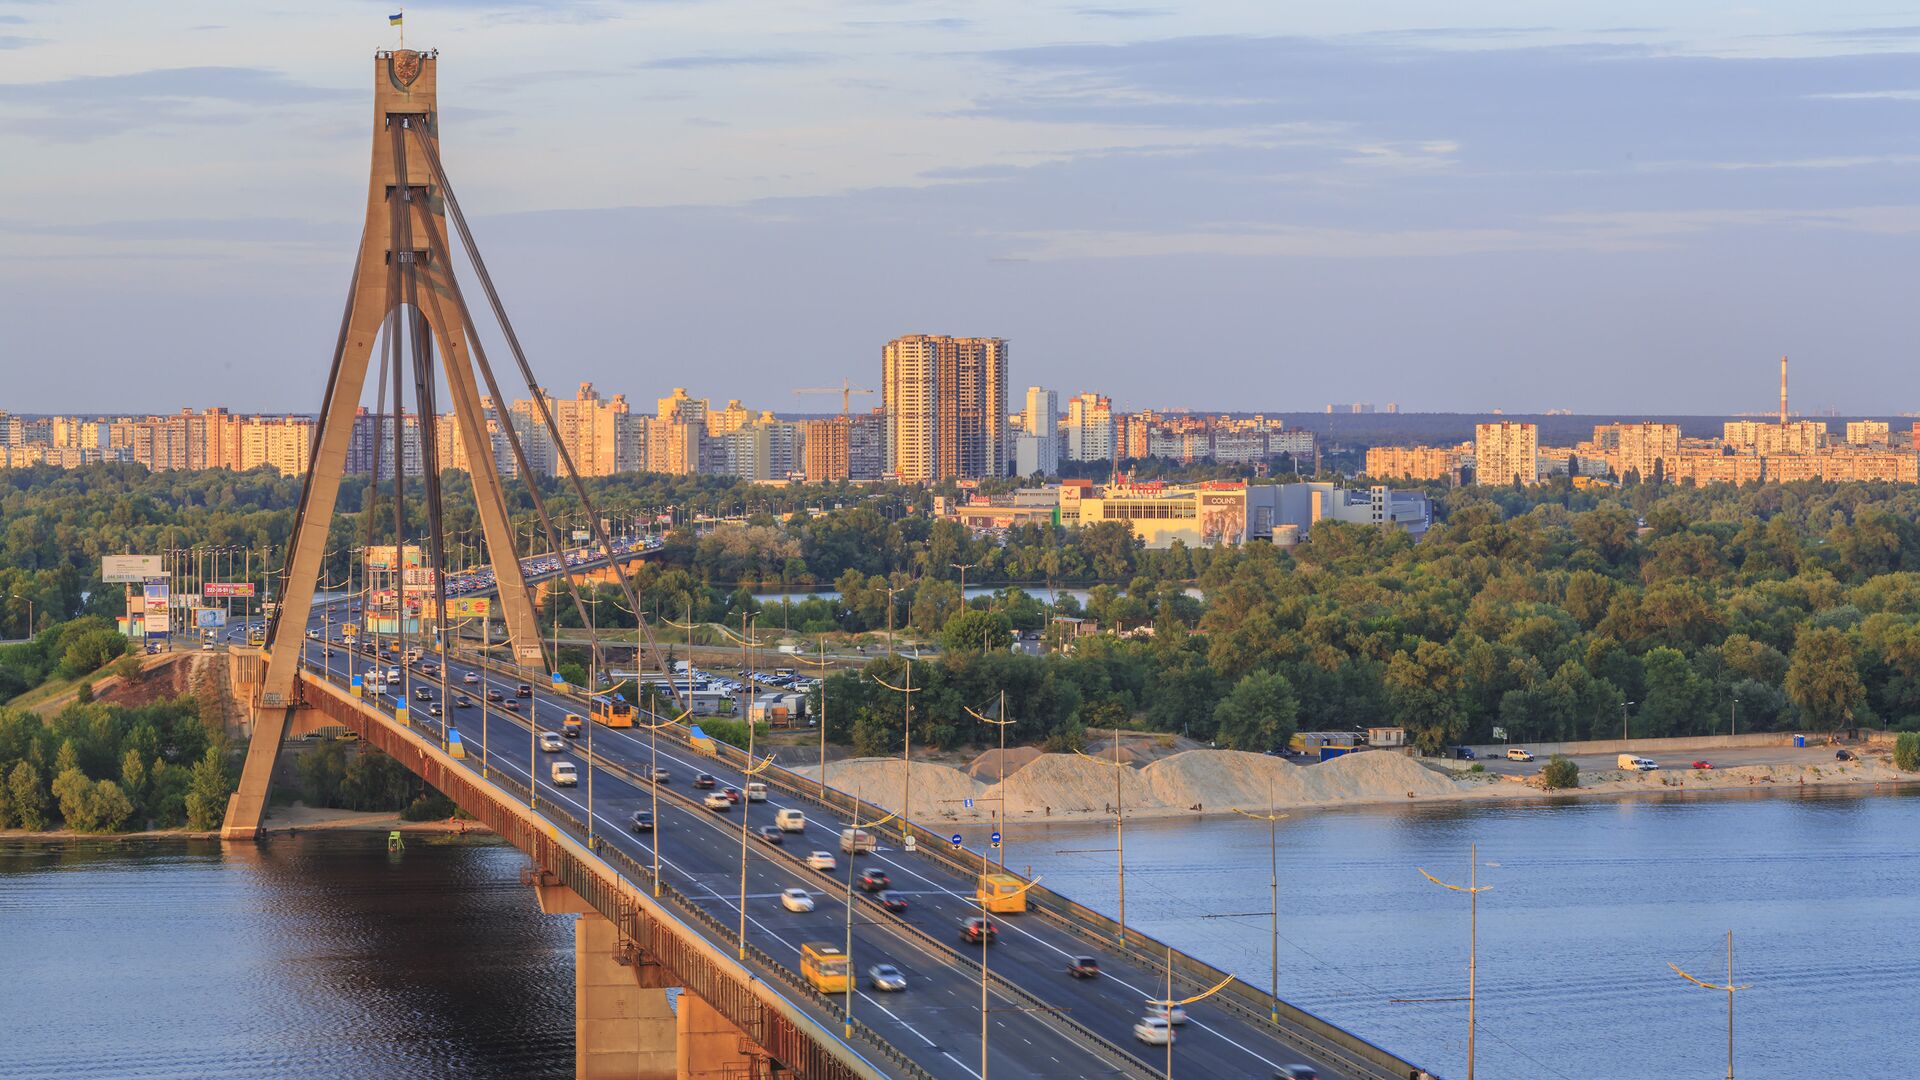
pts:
pixel 1121 13
pixel 92 106
pixel 15 41
pixel 731 60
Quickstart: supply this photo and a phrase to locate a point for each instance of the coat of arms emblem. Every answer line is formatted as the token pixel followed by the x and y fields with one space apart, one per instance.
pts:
pixel 406 66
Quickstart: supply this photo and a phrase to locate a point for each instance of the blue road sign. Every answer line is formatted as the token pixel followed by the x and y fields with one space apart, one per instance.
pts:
pixel 968 803
pixel 996 839
pixel 956 839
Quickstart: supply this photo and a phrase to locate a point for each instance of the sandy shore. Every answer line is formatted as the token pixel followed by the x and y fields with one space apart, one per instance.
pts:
pixel 1071 787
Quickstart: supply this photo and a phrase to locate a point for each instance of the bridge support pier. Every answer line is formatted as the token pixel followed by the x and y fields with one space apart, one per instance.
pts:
pixel 623 1025
pixel 247 807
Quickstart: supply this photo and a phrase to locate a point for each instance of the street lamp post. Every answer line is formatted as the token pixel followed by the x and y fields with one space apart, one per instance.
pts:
pixel 1730 990
pixel 1119 832
pixel 906 753
pixel 1623 719
pixel 1000 803
pixel 853 978
pixel 1473 889
pixel 1272 818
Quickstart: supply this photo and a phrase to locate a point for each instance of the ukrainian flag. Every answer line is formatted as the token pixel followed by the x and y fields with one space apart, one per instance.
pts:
pixel 394 20
pixel 702 741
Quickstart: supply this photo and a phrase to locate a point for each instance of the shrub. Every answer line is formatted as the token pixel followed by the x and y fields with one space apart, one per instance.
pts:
pixel 1906 751
pixel 431 806
pixel 1560 772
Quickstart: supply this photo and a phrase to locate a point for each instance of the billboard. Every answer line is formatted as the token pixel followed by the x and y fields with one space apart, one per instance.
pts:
pixel 209 618
pixel 468 607
pixel 156 621
pixel 129 569
pixel 227 588
pixel 184 600
pixel 581 534
pixel 381 556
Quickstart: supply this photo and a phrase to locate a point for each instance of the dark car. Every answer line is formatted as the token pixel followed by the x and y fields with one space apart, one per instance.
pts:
pixel 462 701
pixel 523 690
pixel 1843 755
pixel 429 670
pixel 975 928
pixel 705 780
pixel 890 900
pixel 511 705
pixel 1463 753
pixel 875 880
pixel 770 835
pixel 493 695
pixel 423 693
pixel 1083 967
pixel 1296 1072
pixel 641 821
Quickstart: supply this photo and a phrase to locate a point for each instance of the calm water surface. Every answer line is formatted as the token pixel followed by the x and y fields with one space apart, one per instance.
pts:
pixel 1590 901
pixel 320 956
pixel 324 956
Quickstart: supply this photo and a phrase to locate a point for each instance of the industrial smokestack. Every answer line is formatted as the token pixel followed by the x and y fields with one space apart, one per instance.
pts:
pixel 1783 391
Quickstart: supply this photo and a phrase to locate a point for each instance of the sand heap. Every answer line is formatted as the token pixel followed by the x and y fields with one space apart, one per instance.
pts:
pixel 996 764
pixel 938 790
pixel 1222 779
pixel 1052 784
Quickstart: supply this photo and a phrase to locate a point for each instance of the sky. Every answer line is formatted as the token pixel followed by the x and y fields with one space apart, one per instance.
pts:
pixel 1625 207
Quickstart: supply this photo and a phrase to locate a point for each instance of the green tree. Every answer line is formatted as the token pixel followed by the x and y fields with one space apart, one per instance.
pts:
pixel 68 760
pixel 1906 751
pixel 1257 714
pixel 321 770
pixel 29 798
pixel 973 630
pixel 133 776
pixel 1559 772
pixel 1823 678
pixel 207 790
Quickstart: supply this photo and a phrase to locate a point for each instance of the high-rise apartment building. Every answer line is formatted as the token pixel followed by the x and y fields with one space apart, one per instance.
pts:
pixel 1090 428
pixel 1768 438
pixel 945 400
pixel 1648 450
pixel 1506 452
pixel 592 432
pixel 1873 434
pixel 825 449
pixel 867 446
pixel 369 430
pixel 677 434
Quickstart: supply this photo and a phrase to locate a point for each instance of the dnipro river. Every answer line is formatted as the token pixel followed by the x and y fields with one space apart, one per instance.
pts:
pixel 325 956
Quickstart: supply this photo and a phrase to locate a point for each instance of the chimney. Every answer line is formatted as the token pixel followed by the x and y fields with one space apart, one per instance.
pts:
pixel 1783 391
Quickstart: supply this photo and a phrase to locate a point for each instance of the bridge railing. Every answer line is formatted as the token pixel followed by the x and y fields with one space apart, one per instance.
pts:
pixel 1317 1033
pixel 696 964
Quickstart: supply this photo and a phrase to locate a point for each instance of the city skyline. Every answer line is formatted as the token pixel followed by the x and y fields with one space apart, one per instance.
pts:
pixel 1542 224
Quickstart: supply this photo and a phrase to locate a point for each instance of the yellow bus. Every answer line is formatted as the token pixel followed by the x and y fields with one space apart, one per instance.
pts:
pixel 1001 893
pixel 826 967
pixel 611 712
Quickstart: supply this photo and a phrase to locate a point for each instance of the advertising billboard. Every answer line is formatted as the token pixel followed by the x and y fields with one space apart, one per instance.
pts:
pixel 130 569
pixel 581 534
pixel 227 588
pixel 156 621
pixel 208 618
pixel 468 607
pixel 381 556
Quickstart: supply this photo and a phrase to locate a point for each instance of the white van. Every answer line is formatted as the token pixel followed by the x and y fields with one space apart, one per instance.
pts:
pixel 1635 764
pixel 756 791
pixel 856 841
pixel 564 774
pixel 790 820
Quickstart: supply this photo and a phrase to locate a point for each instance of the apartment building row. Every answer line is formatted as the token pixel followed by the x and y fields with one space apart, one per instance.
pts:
pixel 210 439
pixel 1090 430
pixel 1747 451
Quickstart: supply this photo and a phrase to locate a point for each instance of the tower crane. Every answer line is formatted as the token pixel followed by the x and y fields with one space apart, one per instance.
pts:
pixel 846 390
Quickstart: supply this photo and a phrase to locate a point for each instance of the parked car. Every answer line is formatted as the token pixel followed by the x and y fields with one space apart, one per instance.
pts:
pixel 1463 753
pixel 974 928
pixel 1083 967
pixel 796 900
pixel 875 880
pixel 886 977
pixel 641 821
pixel 817 860
pixel 1519 753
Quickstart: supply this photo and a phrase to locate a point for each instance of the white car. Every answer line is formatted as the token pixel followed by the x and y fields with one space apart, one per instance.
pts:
pixel 1179 1016
pixel 821 860
pixel 796 900
pixel 551 742
pixel 717 803
pixel 1153 1030
pixel 470 677
pixel 886 977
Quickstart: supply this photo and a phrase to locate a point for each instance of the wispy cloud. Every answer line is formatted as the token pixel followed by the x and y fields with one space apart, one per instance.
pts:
pixel 731 60
pixel 91 106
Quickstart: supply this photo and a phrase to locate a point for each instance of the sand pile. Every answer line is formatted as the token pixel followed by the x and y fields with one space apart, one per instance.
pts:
pixel 937 789
pixel 1376 775
pixel 996 765
pixel 1224 779
pixel 1072 783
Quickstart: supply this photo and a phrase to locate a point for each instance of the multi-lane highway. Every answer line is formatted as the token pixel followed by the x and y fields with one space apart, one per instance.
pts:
pixel 937 1018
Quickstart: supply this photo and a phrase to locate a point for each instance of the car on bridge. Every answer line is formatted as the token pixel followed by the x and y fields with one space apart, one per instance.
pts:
pixel 818 860
pixel 874 880
pixel 890 900
pixel 1304 1072
pixel 423 693
pixel 796 900
pixel 662 776
pixel 976 929
pixel 732 794
pixel 704 780
pixel 886 977
pixel 770 835
pixel 563 774
pixel 1176 1016
pixel 470 677
pixel 1153 1031
pixel 641 821
pixel 551 742
pixel 511 704
pixel 462 701
pixel 1083 967
pixel 493 695
pixel 571 723
pixel 717 803
pixel 523 690
pixel 433 708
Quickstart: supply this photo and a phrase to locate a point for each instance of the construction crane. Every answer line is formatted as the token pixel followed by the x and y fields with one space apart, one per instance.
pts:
pixel 846 390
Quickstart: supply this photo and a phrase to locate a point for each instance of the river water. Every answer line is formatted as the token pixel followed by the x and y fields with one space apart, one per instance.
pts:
pixel 326 956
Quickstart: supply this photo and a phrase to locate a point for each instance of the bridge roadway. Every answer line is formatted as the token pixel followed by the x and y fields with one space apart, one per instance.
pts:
pixel 936 1020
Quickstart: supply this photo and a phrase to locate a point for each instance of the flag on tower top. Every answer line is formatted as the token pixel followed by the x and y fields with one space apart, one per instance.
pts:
pixel 394 20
